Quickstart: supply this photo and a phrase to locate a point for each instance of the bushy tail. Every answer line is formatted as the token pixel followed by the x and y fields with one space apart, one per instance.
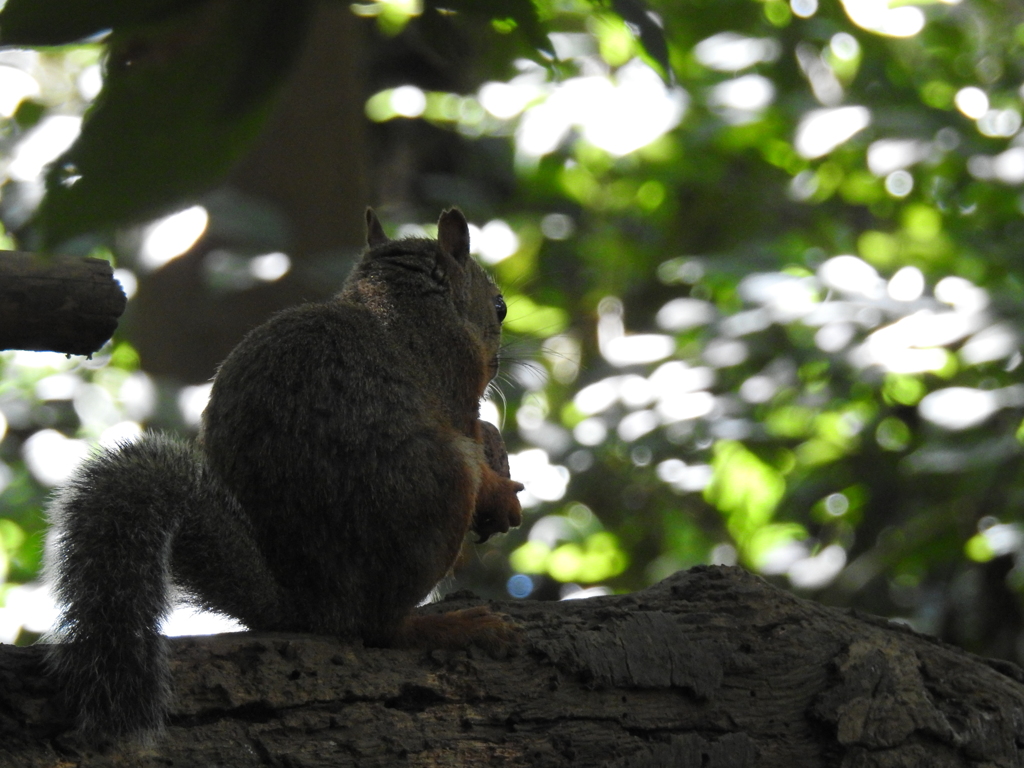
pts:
pixel 132 521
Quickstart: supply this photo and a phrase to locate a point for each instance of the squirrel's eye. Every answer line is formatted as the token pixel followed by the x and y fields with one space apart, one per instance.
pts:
pixel 500 308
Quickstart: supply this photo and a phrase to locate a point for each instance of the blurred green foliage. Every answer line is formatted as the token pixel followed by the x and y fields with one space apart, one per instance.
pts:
pixel 763 265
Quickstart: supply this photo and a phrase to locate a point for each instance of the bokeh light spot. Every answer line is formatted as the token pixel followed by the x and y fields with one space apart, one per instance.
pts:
pixel 172 236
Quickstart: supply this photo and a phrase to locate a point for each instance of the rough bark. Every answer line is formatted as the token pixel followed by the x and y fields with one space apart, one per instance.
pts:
pixel 712 667
pixel 57 304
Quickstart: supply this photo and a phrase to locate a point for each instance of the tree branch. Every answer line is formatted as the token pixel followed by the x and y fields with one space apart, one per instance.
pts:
pixel 712 667
pixel 57 304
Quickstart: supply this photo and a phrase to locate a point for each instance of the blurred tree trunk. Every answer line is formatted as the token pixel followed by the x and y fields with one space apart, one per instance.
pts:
pixel 712 668
pixel 308 170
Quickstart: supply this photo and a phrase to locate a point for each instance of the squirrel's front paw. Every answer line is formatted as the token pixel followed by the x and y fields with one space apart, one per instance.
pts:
pixel 494 448
pixel 497 507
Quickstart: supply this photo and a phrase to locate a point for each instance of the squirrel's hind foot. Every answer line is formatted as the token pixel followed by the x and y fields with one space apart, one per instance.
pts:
pixel 456 630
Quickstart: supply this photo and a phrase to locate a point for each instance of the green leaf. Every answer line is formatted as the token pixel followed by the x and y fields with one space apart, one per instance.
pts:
pixel 522 12
pixel 58 22
pixel 182 99
pixel 744 488
pixel 526 316
pixel 649 29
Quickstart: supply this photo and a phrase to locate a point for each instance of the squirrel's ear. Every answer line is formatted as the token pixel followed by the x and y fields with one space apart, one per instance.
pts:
pixel 453 234
pixel 374 231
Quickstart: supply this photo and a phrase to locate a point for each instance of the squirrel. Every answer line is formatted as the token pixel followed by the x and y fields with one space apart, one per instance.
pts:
pixel 341 462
